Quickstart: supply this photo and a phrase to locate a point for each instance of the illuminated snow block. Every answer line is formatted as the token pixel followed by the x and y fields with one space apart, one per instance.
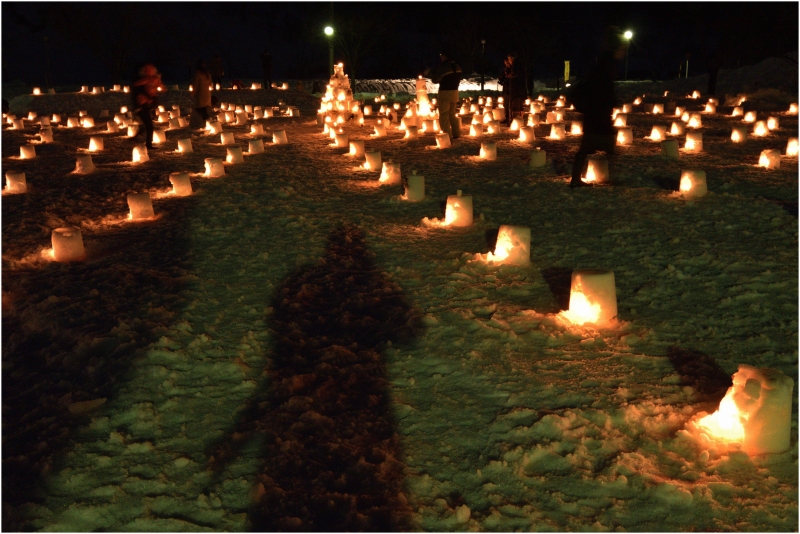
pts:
pixel 372 160
pixel 84 164
pixel 499 114
pixel 390 174
pixel 557 131
pixel 791 147
pixel 159 136
pixel 621 120
pixel 516 124
pixel 356 148
pixel 738 111
pixel 279 137
pixel 770 159
pixel 538 158
pixel 214 167
pixel 593 297
pixel 341 140
pixel 256 146
pixel 32 115
pixel 750 116
pixel 15 182
pixel 488 151
pixel 68 244
pixel 576 128
pixel 175 123
pixel 792 109
pixel 234 155
pixel 380 130
pixel 141 207
pixel 527 134
pixel 140 154
pixel 693 183
pixel 185 146
pixel 695 121
pixel 669 148
pixel 596 169
pixel 658 133
pixel 492 127
pixel 427 126
pixel 241 118
pixel 458 211
pixel 476 130
pixel 258 113
pixel 87 122
pixel 710 108
pixel 624 136
pixel 181 183
pixel 27 152
pixel 513 245
pixel 214 128
pixel 18 124
pixel 163 116
pixel 443 140
pixel 257 129
pixel 551 117
pixel 44 121
pixel 112 127
pixel 133 129
pixel 773 123
pixel 56 118
pixel 226 138
pixel 96 144
pixel 694 142
pixel 46 135
pixel 677 129
pixel 658 109
pixel 534 119
pixel 414 187
pixel 411 132
pixel 739 134
pixel 367 111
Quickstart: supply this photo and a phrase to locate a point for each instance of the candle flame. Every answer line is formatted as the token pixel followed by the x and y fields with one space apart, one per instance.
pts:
pixel 581 310
pixel 792 148
pixel 726 422
pixel 686 183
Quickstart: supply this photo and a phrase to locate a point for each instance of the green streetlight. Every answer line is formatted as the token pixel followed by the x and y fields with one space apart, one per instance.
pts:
pixel 329 33
pixel 628 36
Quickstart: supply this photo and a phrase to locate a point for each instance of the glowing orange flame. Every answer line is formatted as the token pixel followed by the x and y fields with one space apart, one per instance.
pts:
pixel 725 423
pixel 581 310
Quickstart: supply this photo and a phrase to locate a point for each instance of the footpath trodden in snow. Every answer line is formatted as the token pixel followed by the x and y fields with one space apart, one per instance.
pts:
pixel 291 348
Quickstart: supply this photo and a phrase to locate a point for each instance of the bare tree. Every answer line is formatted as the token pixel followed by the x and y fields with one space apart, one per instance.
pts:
pixel 357 38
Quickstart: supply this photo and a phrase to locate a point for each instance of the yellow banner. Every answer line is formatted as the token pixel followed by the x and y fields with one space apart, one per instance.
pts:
pixel 566 71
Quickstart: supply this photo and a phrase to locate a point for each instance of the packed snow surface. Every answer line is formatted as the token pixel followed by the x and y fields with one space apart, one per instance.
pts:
pixel 290 348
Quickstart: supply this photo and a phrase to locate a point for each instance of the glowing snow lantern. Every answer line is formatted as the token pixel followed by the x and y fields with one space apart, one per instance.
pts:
pixel 256 129
pixel 126 89
pixel 116 88
pixel 760 129
pixel 411 132
pixel 516 124
pixel 533 119
pixel 738 111
pixel 140 205
pixel 710 108
pixel 241 118
pixel 380 130
pixel 279 137
pixel 159 136
pixel 27 152
pixel 84 164
pixel 226 138
pixel 256 146
pixel 658 109
pixel 770 159
pixel 513 246
pixel 390 174
pixel 37 91
pixel 695 121
pixel 680 110
pixel 258 113
pixel 686 116
pixel 624 136
pixel 357 148
pixel 773 123
pixel 677 129
pixel 576 128
pixel 175 123
pixel 538 158
pixel 627 108
pixel 669 148
pixel 658 133
pixel 44 121
pixel 56 118
pixel 694 142
pixel 443 140
pixel 73 122
pixel 427 125
pixel 87 122
pixel 46 135
pixel 499 114
pixel 367 111
pixel 181 184
pixel 791 147
pixel 84 89
pixel 596 169
pixel 693 183
pixel 95 144
pixel 527 134
pixel 67 244
pixel 476 130
pixel 621 120
pixel 458 211
pixel 133 129
pixel 792 109
pixel 341 140
pixel 32 115
pixel 551 117
pixel 488 151
pixel 214 167
pixel 163 116
pixel 234 155
pixel 414 187
pixel 140 154
pixel 750 116
pixel 372 160
pixel 756 412
pixel 15 182
pixel 214 128
pixel 557 131
pixel 18 124
pixel 738 134
pixel 493 127
pixel 112 127
pixel 592 297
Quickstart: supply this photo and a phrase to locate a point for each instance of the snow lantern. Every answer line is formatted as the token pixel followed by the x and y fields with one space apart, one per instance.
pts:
pixel 695 94
pixel 527 134
pixel 372 160
pixel 443 140
pixel 18 124
pixel 67 244
pixel 133 129
pixel 279 137
pixel 493 127
pixel 773 123
pixel 241 118
pixel 624 136
pixel 367 111
pixel 226 138
pixel 46 135
pixel 677 129
pixel 427 126
pixel 592 297
pixel 557 131
pixel 414 187
pixel 551 117
pixel 710 108
pixel 680 110
pixel 770 159
pixel 621 120
pixel 411 132
pixel 686 116
pixel 234 154
pixel 357 148
pixel 499 114
pixel 791 147
pixel 458 211
pixel 760 129
pixel 658 133
pixel 140 154
pixel 488 151
pixel 256 129
pixel 792 109
pixel 534 119
pixel 341 140
pixel 513 246
pixel 112 127
pixel 44 121
pixel 756 412
pixel 576 128
pixel 159 136
pixel 738 111
pixel 214 167
pixel 181 184
pixel 256 146
pixel 538 158
pixel 693 183
pixel 84 164
pixel 390 174
pixel 658 109
pixel 27 152
pixel 258 113
pixel 37 91
pixel 694 142
pixel 141 207
pixel 738 134
pixel 175 123
pixel 163 116
pixel 15 182
pixel 214 128
pixel 56 118
pixel 750 116
pixel 95 144
pixel 380 130
pixel 87 122
pixel 516 124
pixel 185 146
pixel 32 115
pixel 669 148
pixel 476 130
pixel 596 169
pixel 695 121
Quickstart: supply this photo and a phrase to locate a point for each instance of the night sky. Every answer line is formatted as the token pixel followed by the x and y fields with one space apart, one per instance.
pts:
pixel 101 43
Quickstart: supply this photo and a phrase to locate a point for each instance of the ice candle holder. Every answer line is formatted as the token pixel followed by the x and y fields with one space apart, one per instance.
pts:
pixel 770 159
pixel 414 187
pixel 112 127
pixel 214 167
pixel 15 182
pixel 372 160
pixel 357 148
pixel 140 154
pixel 181 184
pixel 527 134
pixel 677 128
pixel 185 146
pixel 488 151
pixel 95 144
pixel 443 140
pixel 27 152
pixel 458 211
pixel 67 244
pixel 256 129
pixel 390 174
pixel 513 246
pixel 46 135
pixel 624 136
pixel 576 128
pixel 738 134
pixel 476 130
pixel 84 164
pixel 792 147
pixel 256 146
pixel 140 205
pixel 592 297
pixel 658 133
pixel 694 142
pixel 693 183
pixel 279 137
pixel 596 169
pixel 234 155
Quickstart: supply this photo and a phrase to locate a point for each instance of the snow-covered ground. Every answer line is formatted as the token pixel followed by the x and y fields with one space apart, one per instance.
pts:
pixel 290 348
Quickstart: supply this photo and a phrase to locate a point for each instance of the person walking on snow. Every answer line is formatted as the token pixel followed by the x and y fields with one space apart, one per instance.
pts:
pixel 448 76
pixel 145 91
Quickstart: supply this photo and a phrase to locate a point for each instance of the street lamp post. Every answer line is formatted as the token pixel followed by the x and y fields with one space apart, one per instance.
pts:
pixel 628 35
pixel 329 33
pixel 483 64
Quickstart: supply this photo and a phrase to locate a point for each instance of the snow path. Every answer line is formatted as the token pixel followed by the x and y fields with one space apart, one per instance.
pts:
pixel 506 418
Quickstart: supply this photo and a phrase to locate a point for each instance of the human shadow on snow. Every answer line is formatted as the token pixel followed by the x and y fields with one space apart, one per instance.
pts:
pixel 332 459
pixel 701 372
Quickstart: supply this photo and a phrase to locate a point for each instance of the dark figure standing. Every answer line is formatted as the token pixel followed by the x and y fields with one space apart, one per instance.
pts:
pixel 594 98
pixel 201 92
pixel 448 76
pixel 217 72
pixel 145 91
pixel 514 91
pixel 266 66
